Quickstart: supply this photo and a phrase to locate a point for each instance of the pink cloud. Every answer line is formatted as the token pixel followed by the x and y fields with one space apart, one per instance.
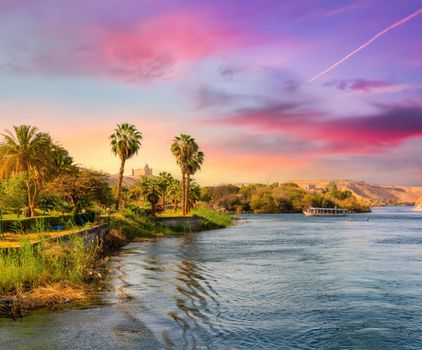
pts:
pixel 387 128
pixel 161 46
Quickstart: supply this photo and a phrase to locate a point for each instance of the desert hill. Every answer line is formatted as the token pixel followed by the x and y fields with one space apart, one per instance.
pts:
pixel 418 204
pixel 128 181
pixel 375 194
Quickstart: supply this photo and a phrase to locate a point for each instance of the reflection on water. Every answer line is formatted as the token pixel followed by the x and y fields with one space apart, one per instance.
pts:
pixel 271 282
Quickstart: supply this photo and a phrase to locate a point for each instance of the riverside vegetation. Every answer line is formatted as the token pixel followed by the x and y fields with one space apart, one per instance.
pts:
pixel 44 194
pixel 279 198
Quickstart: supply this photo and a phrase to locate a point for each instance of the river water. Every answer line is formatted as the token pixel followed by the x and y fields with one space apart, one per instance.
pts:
pixel 269 282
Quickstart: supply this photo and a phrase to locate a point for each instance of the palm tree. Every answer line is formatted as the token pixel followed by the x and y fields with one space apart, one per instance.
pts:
pixel 190 159
pixel 125 143
pixel 62 161
pixel 151 189
pixel 164 180
pixel 194 165
pixel 28 152
pixel 174 191
pixel 194 193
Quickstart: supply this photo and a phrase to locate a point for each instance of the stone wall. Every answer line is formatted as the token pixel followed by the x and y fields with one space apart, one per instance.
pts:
pixel 91 235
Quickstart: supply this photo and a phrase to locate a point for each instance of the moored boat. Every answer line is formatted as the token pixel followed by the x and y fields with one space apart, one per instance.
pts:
pixel 312 211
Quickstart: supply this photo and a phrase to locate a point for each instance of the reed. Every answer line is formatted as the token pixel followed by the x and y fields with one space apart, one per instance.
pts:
pixel 215 217
pixel 38 265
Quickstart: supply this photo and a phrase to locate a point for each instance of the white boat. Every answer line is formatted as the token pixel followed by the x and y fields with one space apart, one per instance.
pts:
pixel 312 211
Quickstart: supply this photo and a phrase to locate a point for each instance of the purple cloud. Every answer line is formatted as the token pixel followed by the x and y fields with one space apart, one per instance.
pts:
pixel 367 86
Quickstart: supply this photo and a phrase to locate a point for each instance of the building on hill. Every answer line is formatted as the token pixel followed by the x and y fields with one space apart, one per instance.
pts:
pixel 145 172
pixel 310 187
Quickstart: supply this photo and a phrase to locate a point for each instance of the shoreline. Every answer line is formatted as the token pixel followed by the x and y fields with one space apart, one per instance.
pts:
pixel 121 230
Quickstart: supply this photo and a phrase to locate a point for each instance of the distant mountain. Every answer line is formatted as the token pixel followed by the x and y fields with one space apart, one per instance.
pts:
pixel 374 194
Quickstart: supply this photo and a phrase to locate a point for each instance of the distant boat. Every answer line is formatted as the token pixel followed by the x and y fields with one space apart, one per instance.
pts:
pixel 312 211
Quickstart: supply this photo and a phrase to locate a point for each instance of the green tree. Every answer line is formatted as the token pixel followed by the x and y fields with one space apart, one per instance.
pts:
pixel 125 143
pixel 81 188
pixel 151 189
pixel 28 152
pixel 12 194
pixel 190 159
pixel 194 193
pixel 62 162
pixel 174 192
pixel 164 180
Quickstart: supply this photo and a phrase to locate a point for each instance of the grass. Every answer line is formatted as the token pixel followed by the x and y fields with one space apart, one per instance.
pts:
pixel 39 265
pixel 14 240
pixel 12 216
pixel 170 213
pixel 214 217
pixel 136 224
pixel 39 232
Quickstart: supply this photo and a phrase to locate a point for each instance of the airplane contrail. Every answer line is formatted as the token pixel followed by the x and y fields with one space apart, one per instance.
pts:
pixel 369 42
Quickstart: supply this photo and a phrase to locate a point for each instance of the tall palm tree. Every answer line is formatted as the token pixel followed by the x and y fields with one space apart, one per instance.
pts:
pixel 125 143
pixel 28 152
pixel 190 159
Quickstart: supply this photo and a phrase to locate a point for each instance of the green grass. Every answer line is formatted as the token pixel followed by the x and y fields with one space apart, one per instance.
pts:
pixel 136 224
pixel 12 216
pixel 171 213
pixel 32 266
pixel 215 217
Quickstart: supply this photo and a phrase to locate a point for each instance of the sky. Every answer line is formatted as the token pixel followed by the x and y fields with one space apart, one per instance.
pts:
pixel 272 90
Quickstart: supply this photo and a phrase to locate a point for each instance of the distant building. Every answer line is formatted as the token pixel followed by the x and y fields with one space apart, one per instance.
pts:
pixel 146 171
pixel 310 187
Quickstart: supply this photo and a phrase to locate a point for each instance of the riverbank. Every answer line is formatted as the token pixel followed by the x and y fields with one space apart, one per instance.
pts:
pixel 52 273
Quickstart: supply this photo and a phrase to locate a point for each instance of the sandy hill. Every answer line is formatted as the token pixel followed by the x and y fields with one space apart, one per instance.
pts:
pixel 418 205
pixel 375 194
pixel 128 181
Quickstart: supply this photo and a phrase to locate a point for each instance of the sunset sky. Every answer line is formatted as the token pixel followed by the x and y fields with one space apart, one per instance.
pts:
pixel 250 80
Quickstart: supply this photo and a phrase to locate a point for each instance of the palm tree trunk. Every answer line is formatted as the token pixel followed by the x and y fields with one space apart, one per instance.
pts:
pixel 119 185
pixel 28 191
pixel 183 193
pixel 31 203
pixel 187 194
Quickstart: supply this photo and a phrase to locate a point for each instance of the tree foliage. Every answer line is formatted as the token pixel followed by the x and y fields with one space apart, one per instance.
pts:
pixel 125 143
pixel 32 154
pixel 278 198
pixel 190 160
pixel 81 188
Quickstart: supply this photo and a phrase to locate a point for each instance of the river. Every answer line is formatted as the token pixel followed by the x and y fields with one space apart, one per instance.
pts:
pixel 268 282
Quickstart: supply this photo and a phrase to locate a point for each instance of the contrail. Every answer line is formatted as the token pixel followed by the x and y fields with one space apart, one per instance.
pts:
pixel 369 42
